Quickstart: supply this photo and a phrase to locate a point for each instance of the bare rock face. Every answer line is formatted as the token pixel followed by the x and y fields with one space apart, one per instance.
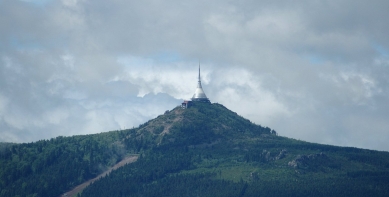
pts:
pixel 293 163
pixel 282 154
pixel 302 161
pixel 267 155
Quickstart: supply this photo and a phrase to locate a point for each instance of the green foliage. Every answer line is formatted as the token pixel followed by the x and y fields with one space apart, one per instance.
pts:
pixel 206 171
pixel 205 150
pixel 205 123
pixel 50 167
pixel 226 155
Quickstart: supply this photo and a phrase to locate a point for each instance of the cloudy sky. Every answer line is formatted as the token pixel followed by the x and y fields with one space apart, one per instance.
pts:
pixel 312 70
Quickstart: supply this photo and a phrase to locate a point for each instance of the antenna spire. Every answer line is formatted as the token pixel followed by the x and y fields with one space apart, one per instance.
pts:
pixel 199 93
pixel 199 72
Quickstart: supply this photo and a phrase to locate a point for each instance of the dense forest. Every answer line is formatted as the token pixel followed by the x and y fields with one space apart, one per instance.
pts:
pixel 50 167
pixel 205 150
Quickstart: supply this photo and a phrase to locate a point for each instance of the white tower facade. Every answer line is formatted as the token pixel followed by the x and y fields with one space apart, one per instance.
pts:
pixel 199 95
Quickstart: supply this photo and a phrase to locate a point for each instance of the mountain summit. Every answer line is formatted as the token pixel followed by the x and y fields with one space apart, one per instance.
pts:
pixel 199 124
pixel 198 96
pixel 208 150
pixel 203 150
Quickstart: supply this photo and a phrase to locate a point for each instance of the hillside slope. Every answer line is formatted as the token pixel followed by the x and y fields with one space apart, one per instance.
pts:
pixel 208 150
pixel 205 150
pixel 51 167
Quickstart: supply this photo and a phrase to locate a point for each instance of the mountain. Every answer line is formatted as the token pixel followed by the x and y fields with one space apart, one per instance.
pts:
pixel 204 150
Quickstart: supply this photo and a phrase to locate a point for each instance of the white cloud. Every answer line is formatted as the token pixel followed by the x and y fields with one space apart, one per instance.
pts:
pixel 156 77
pixel 80 66
pixel 242 91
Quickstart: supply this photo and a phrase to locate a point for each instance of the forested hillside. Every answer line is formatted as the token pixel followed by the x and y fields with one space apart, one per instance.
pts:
pixel 205 150
pixel 50 167
pixel 212 151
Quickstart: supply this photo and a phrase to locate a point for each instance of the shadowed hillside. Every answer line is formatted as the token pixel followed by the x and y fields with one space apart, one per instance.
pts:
pixel 208 150
pixel 205 150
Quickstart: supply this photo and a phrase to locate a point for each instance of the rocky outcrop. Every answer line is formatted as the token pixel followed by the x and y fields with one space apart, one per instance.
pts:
pixel 302 161
pixel 281 155
pixel 265 156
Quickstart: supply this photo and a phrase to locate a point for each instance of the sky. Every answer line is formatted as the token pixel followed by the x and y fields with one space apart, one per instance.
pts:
pixel 317 71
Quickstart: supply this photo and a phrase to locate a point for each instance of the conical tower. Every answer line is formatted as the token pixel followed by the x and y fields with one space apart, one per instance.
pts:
pixel 199 95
